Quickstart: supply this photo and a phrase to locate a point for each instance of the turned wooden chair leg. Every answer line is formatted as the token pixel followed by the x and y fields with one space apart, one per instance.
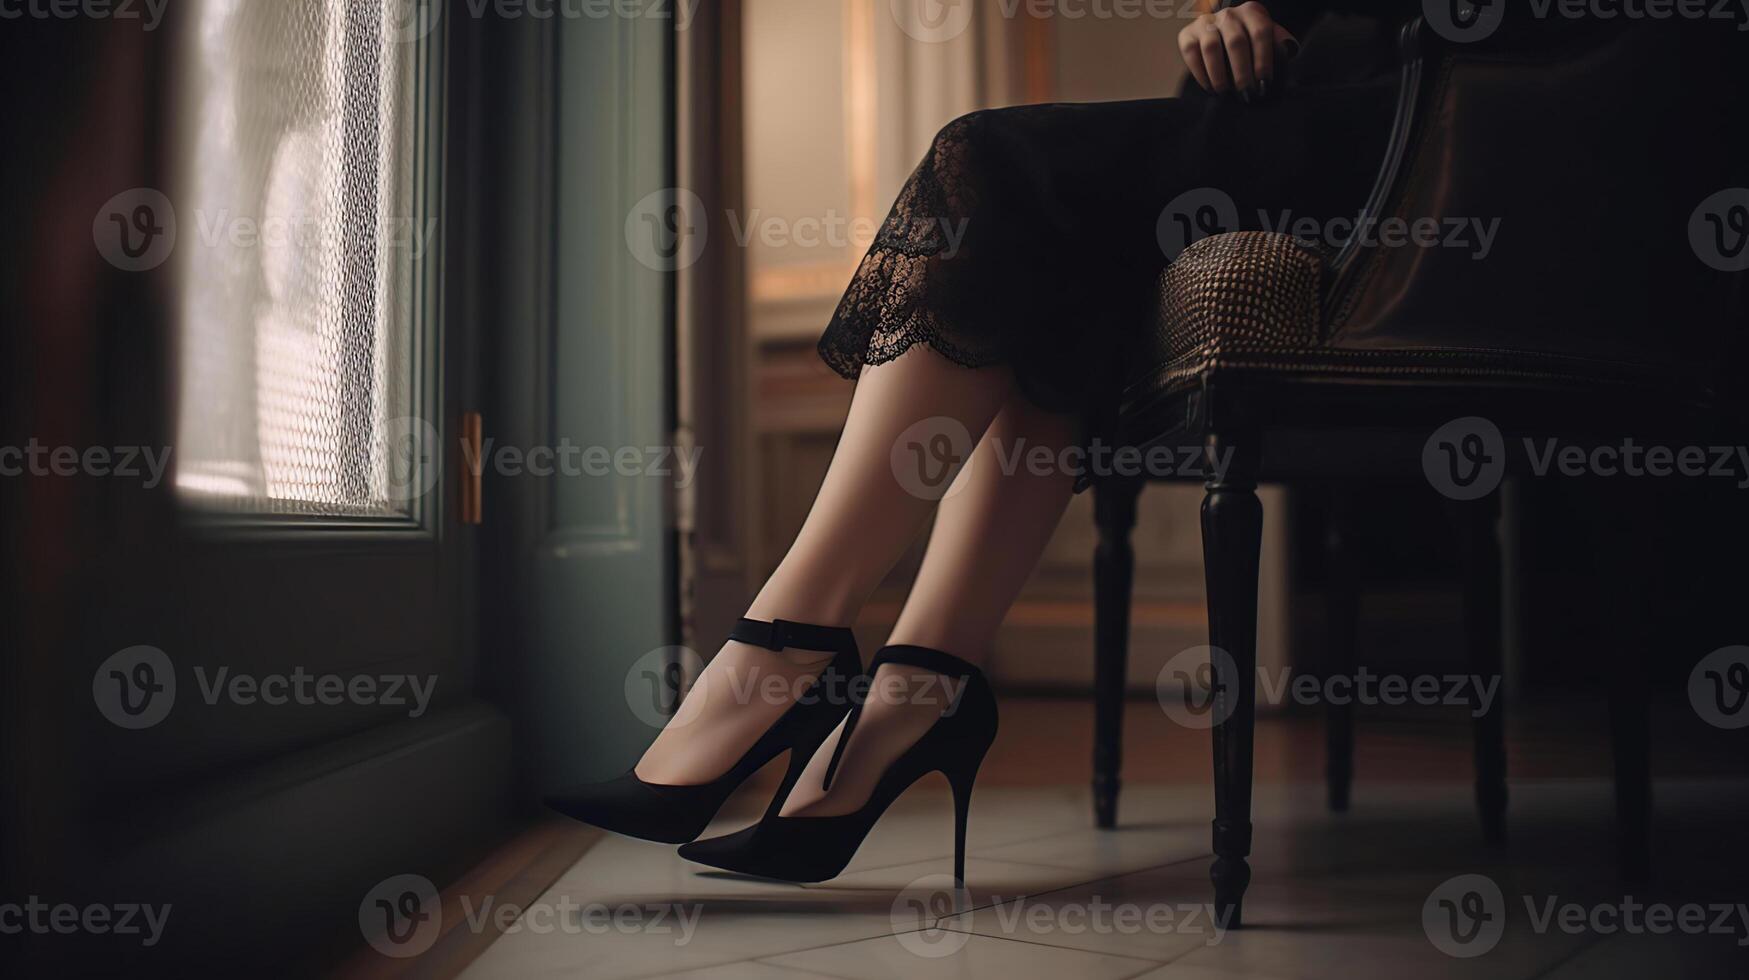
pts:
pixel 1232 540
pixel 1114 562
pixel 1341 622
pixel 1478 524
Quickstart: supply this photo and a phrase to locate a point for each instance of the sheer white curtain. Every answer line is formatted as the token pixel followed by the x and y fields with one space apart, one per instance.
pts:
pixel 296 248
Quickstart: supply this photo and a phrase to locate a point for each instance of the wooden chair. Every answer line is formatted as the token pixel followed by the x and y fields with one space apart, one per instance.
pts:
pixel 1603 312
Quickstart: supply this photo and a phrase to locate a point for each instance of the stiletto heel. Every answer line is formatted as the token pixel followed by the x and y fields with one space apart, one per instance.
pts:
pixel 807 849
pixel 677 814
pixel 962 781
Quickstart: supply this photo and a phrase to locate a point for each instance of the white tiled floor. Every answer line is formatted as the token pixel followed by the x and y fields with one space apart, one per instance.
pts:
pixel 1337 897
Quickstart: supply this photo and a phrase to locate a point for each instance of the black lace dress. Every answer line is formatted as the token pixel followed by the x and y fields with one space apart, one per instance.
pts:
pixel 1034 236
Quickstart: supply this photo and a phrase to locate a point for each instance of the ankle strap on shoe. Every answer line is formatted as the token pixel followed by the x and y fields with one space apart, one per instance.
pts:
pixel 923 658
pixel 781 634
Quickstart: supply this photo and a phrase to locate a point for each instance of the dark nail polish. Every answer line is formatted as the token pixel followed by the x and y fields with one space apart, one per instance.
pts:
pixel 1292 47
pixel 1245 96
pixel 1263 88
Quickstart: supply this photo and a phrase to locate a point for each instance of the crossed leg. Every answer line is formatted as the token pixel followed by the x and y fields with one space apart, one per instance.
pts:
pixel 988 535
pixel 861 522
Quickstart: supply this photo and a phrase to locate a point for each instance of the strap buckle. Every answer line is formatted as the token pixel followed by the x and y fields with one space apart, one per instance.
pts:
pixel 780 635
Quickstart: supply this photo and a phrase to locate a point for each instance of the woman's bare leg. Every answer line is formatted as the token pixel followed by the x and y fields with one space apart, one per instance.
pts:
pixel 860 525
pixel 987 538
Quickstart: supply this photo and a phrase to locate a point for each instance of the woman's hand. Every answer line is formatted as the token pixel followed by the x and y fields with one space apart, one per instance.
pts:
pixel 1237 49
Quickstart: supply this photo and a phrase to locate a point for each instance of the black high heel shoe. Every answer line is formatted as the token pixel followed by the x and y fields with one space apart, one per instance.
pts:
pixel 676 814
pixel 807 849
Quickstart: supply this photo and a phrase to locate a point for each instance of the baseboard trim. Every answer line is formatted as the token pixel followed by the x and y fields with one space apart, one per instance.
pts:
pixel 269 868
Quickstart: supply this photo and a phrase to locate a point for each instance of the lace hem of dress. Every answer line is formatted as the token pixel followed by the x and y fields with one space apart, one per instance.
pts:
pixel 886 312
pixel 906 291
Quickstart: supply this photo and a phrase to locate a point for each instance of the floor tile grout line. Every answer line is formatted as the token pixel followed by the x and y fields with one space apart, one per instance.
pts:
pixel 1039 864
pixel 1092 881
pixel 751 959
pixel 761 958
pixel 1153 964
pixel 765 960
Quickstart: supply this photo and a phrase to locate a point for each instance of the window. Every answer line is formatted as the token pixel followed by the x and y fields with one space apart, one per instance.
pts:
pixel 300 239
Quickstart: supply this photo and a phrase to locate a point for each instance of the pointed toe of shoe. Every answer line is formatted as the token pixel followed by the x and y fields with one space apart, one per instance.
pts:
pixel 627 807
pixel 727 853
pixel 764 851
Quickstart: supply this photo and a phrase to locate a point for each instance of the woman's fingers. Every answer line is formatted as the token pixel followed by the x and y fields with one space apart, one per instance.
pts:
pixel 1237 40
pixel 1260 37
pixel 1191 49
pixel 1214 58
pixel 1238 48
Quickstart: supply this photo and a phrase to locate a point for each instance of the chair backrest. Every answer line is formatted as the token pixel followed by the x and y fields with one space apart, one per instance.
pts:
pixel 1594 184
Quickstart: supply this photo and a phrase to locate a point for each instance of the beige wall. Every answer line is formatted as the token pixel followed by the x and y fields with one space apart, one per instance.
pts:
pixel 841 103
